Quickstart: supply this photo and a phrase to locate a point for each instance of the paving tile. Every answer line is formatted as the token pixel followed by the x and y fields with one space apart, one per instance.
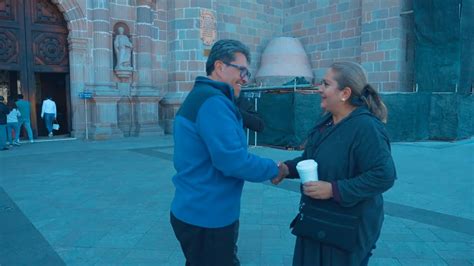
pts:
pixel 399 237
pixel 177 258
pixel 425 234
pixel 157 242
pixel 458 262
pixel 117 240
pixel 89 238
pixel 150 257
pixel 384 262
pixel 401 250
pixel 272 259
pixel 108 255
pixel 75 256
pixel 422 262
pixel 450 236
pixel 382 251
pixel 249 257
pixel 450 246
pixel 456 254
pixel 423 251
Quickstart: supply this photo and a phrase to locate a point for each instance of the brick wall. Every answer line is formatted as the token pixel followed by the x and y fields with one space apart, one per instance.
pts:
pixel 384 45
pixel 370 32
pixel 328 30
pixel 255 23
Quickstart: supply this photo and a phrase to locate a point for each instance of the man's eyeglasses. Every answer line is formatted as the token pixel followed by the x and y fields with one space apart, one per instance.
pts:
pixel 244 72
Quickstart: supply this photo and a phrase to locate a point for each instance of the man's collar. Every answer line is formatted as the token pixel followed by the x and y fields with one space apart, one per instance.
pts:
pixel 222 86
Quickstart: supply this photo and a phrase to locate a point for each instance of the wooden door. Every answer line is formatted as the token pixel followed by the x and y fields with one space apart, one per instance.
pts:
pixel 33 39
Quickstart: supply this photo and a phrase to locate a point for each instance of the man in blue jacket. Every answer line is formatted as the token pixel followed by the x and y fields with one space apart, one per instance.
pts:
pixel 212 161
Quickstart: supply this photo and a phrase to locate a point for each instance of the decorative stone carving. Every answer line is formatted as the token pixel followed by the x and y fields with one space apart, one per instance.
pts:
pixel 208 27
pixel 50 49
pixel 123 51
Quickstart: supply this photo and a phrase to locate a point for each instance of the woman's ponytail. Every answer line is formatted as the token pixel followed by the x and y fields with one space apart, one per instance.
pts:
pixel 374 102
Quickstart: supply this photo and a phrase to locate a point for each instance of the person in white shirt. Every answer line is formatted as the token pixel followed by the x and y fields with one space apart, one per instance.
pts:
pixel 48 113
pixel 12 124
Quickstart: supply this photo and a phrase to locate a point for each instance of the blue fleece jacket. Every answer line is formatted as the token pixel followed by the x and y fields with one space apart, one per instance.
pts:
pixel 211 158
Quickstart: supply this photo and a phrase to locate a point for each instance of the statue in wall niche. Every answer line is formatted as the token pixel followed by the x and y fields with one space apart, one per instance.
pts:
pixel 123 51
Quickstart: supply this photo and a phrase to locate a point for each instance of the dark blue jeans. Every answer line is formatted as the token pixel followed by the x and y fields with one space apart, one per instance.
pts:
pixel 48 121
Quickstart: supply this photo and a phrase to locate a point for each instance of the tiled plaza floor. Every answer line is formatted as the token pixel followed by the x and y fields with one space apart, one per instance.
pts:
pixel 107 203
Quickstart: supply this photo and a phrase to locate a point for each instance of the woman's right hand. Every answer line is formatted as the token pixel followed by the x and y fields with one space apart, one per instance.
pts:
pixel 318 189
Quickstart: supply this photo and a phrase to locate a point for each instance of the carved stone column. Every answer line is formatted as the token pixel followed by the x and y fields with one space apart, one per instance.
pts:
pixel 104 104
pixel 102 40
pixel 78 50
pixel 144 45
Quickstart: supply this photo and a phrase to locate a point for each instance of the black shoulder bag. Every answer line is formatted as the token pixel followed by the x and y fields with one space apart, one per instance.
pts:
pixel 327 222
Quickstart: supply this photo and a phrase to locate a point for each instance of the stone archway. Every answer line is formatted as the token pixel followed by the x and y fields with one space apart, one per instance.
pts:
pixel 76 20
pixel 74 15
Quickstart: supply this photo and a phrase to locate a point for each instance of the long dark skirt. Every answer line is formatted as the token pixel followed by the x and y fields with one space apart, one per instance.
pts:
pixel 311 253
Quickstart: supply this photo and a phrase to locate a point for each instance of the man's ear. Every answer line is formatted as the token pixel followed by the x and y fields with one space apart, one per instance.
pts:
pixel 218 65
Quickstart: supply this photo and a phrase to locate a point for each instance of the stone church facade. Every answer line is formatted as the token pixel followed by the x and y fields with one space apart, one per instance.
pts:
pixel 170 42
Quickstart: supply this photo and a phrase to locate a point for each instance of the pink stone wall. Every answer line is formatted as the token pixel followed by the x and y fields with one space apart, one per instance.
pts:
pixel 169 54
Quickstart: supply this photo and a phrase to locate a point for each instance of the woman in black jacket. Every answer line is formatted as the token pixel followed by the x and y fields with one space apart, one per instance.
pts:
pixel 341 215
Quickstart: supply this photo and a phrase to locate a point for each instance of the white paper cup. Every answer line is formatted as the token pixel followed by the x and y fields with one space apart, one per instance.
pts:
pixel 308 170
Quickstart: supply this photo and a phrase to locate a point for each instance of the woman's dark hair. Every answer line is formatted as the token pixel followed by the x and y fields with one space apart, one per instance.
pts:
pixel 224 50
pixel 352 75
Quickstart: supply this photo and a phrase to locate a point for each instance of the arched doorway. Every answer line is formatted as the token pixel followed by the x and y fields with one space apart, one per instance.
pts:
pixel 34 58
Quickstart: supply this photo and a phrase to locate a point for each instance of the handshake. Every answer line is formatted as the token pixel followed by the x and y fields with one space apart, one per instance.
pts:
pixel 283 172
pixel 307 171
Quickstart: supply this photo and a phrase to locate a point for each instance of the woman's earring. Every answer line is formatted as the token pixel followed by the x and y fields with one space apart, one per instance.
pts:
pixel 343 99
